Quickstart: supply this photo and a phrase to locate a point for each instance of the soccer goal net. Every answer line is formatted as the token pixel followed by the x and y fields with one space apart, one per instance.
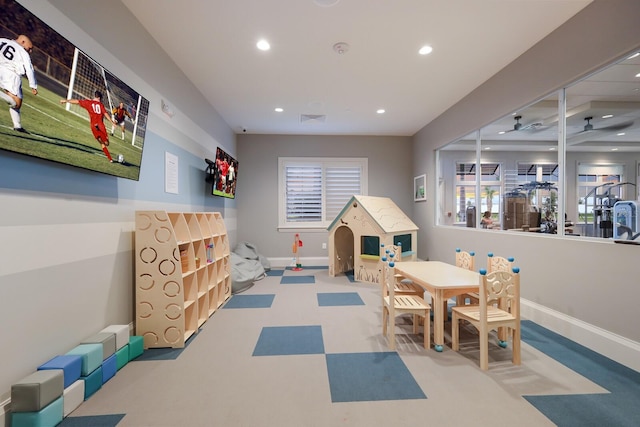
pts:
pixel 87 76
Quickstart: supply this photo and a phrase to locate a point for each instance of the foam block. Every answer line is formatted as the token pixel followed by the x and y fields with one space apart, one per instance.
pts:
pixel 34 392
pixel 71 366
pixel 108 341
pixel 136 346
pixel 122 356
pixel 73 397
pixel 109 368
pixel 92 382
pixel 49 416
pixel 122 334
pixel 91 356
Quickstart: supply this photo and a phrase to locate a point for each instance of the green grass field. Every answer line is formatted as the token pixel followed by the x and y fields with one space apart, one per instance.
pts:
pixel 62 136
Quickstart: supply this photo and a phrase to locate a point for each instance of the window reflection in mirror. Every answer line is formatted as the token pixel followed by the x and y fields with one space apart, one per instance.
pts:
pixel 519 180
pixel 456 182
pixel 603 151
pixel 525 144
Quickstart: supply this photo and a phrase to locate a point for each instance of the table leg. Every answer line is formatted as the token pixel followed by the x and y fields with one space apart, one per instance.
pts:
pixel 438 321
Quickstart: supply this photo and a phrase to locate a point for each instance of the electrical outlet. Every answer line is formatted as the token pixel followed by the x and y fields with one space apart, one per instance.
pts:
pixel 324 246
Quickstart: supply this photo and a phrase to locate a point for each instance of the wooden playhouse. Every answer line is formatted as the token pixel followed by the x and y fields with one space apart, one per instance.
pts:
pixel 358 232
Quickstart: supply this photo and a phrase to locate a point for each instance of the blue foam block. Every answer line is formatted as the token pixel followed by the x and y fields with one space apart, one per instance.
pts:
pixel 49 416
pixel 109 368
pixel 70 364
pixel 92 382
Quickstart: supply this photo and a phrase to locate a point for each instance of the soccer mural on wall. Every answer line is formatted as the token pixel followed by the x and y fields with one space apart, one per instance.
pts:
pixel 61 105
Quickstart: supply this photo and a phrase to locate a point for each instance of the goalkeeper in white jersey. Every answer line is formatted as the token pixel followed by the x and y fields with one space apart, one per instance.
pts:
pixel 15 63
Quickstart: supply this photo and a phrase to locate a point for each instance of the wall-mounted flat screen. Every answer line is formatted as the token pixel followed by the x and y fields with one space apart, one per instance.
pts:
pixel 61 105
pixel 225 175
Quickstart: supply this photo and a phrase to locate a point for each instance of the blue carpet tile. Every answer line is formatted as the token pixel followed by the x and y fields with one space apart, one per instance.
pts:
pixel 359 377
pixel 297 280
pixel 92 421
pixel 275 272
pixel 618 408
pixel 287 340
pixel 350 276
pixel 250 301
pixel 339 298
pixel 164 353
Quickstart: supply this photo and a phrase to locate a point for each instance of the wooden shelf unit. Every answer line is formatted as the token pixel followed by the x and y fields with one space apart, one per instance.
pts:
pixel 182 274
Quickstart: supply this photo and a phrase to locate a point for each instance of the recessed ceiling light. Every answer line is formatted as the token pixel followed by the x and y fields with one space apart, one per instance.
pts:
pixel 263 45
pixel 278 110
pixel 380 111
pixel 552 149
pixel 326 3
pixel 487 148
pixel 501 132
pixel 607 116
pixel 341 48
pixel 614 149
pixel 425 50
pixel 621 134
pixel 635 55
pixel 638 75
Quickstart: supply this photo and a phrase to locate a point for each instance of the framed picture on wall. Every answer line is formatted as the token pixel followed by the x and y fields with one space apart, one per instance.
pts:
pixel 419 188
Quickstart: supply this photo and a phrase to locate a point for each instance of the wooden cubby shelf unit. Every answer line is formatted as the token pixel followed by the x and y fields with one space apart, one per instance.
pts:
pixel 182 274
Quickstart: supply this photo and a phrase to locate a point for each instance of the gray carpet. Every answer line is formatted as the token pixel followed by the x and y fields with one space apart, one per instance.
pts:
pixel 311 358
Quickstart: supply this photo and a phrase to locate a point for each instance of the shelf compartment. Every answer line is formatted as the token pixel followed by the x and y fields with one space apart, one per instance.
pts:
pixel 203 308
pixel 194 227
pixel 213 300
pixel 203 223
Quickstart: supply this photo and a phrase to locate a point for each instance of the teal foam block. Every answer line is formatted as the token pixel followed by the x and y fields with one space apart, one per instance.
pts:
pixel 136 346
pixel 91 357
pixel 49 416
pixel 34 392
pixel 109 368
pixel 71 366
pixel 92 382
pixel 122 356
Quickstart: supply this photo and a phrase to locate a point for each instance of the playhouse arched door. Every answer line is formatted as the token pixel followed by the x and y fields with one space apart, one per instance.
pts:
pixel 343 240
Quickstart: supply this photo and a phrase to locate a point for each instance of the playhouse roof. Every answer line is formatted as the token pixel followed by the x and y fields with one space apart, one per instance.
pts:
pixel 383 211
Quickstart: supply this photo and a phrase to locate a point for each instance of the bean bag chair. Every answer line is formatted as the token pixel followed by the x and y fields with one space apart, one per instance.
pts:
pixel 247 266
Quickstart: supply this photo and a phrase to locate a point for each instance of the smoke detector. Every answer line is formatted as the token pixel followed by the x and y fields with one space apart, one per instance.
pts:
pixel 341 48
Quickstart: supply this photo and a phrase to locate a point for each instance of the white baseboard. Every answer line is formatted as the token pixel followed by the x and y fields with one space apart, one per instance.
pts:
pixel 5 413
pixel 613 346
pixel 291 262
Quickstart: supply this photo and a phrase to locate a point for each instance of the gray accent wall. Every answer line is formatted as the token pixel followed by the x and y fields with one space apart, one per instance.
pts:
pixel 389 165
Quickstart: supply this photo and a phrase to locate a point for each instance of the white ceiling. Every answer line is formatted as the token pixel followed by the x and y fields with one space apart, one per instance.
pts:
pixel 214 43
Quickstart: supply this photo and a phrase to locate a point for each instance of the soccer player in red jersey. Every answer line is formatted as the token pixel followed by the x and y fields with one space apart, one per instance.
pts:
pixel 97 113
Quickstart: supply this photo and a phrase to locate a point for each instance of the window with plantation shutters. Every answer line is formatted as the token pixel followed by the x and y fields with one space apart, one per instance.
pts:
pixel 313 191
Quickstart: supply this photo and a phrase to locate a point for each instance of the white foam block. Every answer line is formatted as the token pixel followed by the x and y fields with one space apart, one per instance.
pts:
pixel 122 334
pixel 73 396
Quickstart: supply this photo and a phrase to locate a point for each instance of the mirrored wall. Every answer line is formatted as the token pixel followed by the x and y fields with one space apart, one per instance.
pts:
pixel 568 164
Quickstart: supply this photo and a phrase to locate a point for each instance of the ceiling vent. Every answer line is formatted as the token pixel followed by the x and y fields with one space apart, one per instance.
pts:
pixel 313 118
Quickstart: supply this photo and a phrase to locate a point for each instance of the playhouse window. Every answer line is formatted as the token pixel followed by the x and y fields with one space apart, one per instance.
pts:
pixel 403 240
pixel 312 191
pixel 370 245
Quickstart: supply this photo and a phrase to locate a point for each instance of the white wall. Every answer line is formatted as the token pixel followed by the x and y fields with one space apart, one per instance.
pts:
pixel 67 267
pixel 585 289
